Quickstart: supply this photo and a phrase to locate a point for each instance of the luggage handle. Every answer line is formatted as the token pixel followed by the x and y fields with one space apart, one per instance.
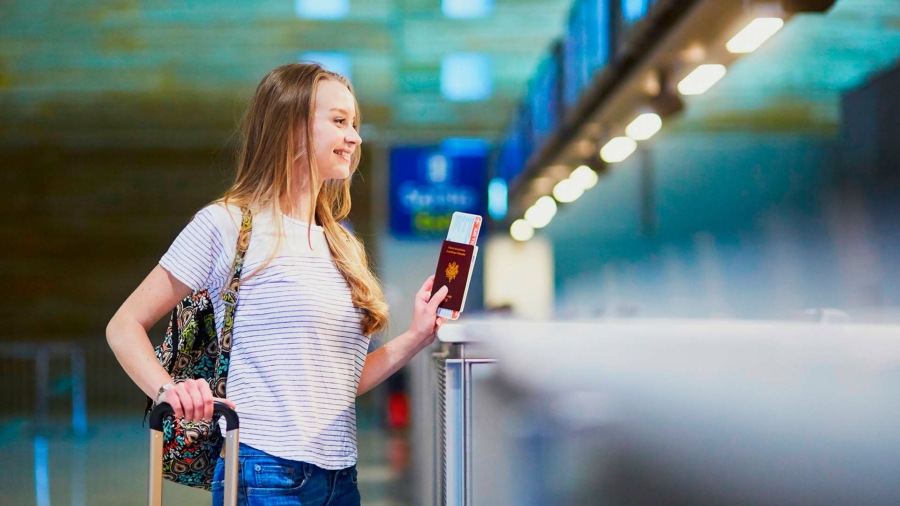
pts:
pixel 232 432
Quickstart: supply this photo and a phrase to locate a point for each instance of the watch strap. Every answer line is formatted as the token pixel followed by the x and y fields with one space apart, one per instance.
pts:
pixel 162 390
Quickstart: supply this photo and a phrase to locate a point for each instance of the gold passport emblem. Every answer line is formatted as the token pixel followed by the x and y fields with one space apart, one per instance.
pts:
pixel 452 271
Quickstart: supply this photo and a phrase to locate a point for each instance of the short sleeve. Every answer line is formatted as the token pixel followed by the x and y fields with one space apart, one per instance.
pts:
pixel 193 256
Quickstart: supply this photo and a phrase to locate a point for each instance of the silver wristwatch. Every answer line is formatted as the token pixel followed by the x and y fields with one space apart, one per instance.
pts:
pixel 163 389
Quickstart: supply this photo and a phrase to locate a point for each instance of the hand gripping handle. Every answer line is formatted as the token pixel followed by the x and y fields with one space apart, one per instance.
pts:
pixel 163 410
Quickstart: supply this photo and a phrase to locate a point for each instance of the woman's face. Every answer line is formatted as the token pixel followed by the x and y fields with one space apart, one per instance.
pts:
pixel 334 136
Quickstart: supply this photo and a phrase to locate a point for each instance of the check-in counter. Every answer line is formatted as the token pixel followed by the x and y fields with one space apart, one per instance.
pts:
pixel 666 412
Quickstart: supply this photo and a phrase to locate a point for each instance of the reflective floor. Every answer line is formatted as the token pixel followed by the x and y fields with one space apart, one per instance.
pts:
pixel 109 466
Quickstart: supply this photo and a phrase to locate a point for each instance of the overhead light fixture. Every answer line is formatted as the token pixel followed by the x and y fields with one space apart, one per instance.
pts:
pixel 338 62
pixel 541 213
pixel 701 79
pixel 644 126
pixel 546 204
pixel 584 176
pixel 313 9
pixel 467 9
pixel 466 77
pixel 521 231
pixel 753 35
pixel 567 190
pixel 536 218
pixel 617 149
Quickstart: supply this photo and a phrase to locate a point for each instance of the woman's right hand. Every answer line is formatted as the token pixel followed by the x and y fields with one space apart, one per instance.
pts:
pixel 192 400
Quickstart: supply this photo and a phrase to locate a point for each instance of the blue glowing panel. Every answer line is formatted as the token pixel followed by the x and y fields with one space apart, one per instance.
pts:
pixel 509 159
pixel 467 9
pixel 429 183
pixel 586 45
pixel 543 99
pixel 466 77
pixel 515 148
pixel 498 198
pixel 464 146
pixel 633 10
pixel 334 61
pixel 319 9
pixel 520 145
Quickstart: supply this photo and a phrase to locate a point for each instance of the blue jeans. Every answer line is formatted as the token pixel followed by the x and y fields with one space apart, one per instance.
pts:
pixel 264 480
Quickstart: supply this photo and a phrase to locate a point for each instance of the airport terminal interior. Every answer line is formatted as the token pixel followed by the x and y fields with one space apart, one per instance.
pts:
pixel 687 283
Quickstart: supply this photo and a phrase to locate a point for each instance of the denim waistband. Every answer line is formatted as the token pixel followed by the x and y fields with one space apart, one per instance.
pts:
pixel 249 451
pixel 246 451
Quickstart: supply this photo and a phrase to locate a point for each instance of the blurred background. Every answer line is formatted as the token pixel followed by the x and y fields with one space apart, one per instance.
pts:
pixel 632 158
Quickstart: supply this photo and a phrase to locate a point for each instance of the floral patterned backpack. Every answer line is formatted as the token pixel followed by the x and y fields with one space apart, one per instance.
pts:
pixel 192 350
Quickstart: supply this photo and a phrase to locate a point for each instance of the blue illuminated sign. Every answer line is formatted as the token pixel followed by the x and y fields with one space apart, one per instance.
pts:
pixel 429 184
pixel 586 46
pixel 498 198
pixel 543 96
pixel 633 10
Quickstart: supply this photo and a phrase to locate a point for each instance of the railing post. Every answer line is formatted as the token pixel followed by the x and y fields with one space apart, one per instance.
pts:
pixel 42 388
pixel 79 393
pixel 455 418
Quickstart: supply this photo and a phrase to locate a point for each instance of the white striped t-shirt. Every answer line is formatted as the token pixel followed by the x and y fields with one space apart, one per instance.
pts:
pixel 297 350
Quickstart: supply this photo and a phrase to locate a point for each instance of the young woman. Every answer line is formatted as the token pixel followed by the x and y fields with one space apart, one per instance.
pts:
pixel 307 302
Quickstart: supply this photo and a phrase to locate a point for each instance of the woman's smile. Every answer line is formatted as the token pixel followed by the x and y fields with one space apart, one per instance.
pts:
pixel 344 153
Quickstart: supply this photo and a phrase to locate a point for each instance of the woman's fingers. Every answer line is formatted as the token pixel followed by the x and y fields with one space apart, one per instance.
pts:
pixel 193 409
pixel 425 292
pixel 437 299
pixel 193 400
pixel 190 397
pixel 171 397
pixel 207 398
pixel 198 392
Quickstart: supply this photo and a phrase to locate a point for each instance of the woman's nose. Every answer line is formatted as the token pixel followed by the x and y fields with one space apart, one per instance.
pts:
pixel 353 136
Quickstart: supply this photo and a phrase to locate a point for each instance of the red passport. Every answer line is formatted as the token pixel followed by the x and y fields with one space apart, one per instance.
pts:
pixel 453 268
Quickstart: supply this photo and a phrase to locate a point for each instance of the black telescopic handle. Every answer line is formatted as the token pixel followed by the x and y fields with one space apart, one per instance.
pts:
pixel 163 410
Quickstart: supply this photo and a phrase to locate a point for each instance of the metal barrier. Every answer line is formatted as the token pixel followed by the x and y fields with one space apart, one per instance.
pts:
pixel 453 367
pixel 41 354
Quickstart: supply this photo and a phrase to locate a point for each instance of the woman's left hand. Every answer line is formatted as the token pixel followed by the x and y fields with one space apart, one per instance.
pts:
pixel 425 320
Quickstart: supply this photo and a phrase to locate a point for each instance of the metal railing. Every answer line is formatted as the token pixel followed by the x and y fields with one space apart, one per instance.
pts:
pixel 41 354
pixel 43 382
pixel 453 366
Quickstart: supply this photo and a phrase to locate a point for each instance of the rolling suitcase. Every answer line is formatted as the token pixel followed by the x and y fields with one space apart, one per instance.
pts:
pixel 156 447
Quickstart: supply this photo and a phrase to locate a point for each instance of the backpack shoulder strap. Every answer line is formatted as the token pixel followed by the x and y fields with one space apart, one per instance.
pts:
pixel 243 242
pixel 229 297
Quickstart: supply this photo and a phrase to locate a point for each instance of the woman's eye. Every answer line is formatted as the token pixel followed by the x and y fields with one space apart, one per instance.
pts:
pixel 340 120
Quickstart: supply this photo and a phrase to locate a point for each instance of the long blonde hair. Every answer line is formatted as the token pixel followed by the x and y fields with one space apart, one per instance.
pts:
pixel 283 105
